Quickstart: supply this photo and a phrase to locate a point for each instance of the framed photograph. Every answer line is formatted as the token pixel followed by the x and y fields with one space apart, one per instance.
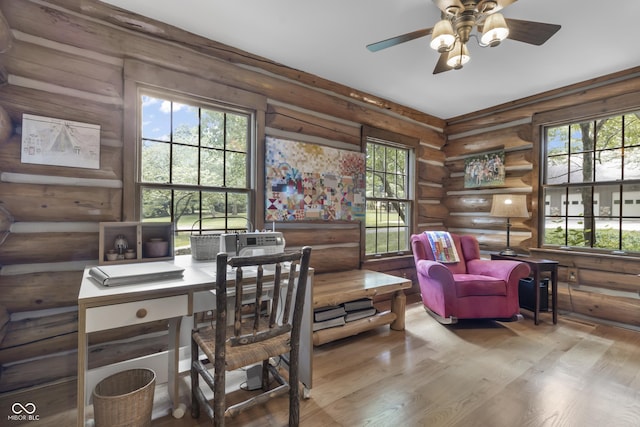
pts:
pixel 57 142
pixel 484 170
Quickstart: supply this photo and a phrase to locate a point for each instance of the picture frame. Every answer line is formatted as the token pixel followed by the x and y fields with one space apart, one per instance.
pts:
pixel 485 170
pixel 307 182
pixel 59 142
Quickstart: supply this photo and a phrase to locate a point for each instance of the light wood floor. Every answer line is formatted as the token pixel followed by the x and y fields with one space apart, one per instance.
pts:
pixel 475 373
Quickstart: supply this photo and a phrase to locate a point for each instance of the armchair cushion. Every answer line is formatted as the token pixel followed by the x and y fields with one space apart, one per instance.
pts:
pixel 475 284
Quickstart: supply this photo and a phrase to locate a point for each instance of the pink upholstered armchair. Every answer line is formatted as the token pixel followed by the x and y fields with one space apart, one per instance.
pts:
pixel 472 288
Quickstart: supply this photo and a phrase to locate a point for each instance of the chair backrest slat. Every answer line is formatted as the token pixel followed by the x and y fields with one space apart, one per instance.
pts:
pixel 290 286
pixel 276 295
pixel 257 305
pixel 237 324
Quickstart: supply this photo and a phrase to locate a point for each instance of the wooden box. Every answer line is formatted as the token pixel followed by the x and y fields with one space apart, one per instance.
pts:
pixel 137 236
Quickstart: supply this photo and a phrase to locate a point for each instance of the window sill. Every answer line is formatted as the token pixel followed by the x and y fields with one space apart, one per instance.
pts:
pixel 549 252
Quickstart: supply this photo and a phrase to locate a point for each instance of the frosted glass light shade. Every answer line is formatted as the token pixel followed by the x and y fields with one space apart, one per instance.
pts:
pixel 458 56
pixel 442 37
pixel 495 30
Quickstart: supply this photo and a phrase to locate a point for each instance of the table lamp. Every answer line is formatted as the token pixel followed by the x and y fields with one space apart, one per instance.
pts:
pixel 509 206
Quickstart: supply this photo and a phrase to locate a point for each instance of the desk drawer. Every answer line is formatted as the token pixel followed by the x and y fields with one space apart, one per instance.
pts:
pixel 131 313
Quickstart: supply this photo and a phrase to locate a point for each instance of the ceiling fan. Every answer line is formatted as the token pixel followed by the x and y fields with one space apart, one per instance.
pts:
pixel 459 17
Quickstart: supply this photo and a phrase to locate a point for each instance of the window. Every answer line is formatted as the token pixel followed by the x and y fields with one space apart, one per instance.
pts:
pixel 193 163
pixel 591 167
pixel 389 199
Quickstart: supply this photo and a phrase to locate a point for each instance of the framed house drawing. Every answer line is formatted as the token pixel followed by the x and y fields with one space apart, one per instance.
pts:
pixel 58 142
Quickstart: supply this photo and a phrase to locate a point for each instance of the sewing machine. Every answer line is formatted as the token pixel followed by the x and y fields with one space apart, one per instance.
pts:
pixel 252 243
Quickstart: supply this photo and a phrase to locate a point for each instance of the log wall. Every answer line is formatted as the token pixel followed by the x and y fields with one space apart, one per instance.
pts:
pixel 71 59
pixel 602 286
pixel 66 59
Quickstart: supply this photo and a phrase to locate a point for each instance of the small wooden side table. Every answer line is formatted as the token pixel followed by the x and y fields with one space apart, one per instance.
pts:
pixel 538 266
pixel 335 288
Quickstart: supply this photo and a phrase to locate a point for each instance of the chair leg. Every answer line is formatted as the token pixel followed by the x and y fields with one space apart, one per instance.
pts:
pixel 195 380
pixel 219 393
pixel 294 392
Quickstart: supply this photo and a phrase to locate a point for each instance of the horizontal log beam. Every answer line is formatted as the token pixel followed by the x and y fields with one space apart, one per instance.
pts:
pixel 424 192
pixel 513 160
pixel 34 291
pixel 6 126
pixel 599 305
pixel 38 247
pixel 64 69
pixel 321 234
pixel 486 222
pixel 428 172
pixel 295 121
pixel 18 100
pixel 433 210
pixel 6 38
pixel 31 202
pixel 328 259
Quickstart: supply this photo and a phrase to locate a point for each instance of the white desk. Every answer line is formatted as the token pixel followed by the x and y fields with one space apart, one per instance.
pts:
pixel 102 308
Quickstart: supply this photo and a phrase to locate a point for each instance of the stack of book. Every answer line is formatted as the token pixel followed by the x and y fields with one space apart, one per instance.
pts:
pixel 328 317
pixel 339 315
pixel 359 309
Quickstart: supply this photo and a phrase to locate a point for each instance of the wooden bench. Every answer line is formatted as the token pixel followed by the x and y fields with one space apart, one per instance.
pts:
pixel 332 289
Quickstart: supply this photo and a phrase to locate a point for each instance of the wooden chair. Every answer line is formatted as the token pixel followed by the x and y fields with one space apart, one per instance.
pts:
pixel 271 329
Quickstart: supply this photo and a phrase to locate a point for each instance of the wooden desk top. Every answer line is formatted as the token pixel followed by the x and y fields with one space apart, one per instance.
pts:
pixel 335 288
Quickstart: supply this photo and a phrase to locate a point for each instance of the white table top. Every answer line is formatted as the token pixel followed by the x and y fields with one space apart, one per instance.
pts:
pixel 198 275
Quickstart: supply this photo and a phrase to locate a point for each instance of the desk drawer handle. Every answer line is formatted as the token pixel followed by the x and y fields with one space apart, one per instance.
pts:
pixel 141 313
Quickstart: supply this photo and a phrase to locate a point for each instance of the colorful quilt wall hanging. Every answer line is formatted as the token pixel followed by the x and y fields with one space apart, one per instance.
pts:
pixel 312 182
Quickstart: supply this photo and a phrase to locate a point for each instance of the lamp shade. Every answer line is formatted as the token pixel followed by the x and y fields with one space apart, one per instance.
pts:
pixel 458 56
pixel 509 206
pixel 442 37
pixel 494 30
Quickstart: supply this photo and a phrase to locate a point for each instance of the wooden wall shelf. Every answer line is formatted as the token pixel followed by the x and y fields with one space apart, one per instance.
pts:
pixel 137 234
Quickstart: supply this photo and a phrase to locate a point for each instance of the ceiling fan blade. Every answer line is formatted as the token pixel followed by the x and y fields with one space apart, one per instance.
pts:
pixel 374 47
pixel 442 66
pixel 530 32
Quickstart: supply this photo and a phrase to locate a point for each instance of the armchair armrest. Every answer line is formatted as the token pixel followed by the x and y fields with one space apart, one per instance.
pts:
pixel 434 270
pixel 500 269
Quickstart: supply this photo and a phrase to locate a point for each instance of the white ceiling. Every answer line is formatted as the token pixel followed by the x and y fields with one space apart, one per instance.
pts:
pixel 328 38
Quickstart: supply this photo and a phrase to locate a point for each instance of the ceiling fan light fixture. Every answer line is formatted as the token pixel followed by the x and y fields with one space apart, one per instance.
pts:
pixel 495 30
pixel 442 37
pixel 458 56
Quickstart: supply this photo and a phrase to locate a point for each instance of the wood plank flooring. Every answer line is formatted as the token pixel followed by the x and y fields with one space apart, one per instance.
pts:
pixel 475 373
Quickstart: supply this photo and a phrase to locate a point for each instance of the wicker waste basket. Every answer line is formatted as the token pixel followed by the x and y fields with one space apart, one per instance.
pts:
pixel 125 399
